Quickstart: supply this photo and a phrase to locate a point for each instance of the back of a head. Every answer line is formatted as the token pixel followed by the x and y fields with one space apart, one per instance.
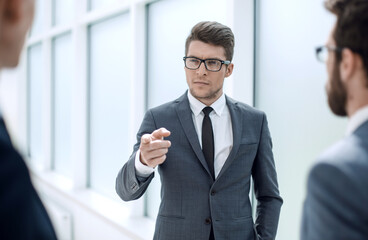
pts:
pixel 15 19
pixel 213 33
pixel 352 26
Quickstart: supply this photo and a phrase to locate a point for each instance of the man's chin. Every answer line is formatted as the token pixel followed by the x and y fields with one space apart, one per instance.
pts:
pixel 199 94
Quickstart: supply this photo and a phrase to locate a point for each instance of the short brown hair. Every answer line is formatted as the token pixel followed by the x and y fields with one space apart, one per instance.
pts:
pixel 352 26
pixel 213 33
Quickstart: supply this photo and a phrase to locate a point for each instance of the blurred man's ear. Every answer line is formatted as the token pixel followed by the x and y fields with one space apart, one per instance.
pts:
pixel 351 64
pixel 348 64
pixel 11 10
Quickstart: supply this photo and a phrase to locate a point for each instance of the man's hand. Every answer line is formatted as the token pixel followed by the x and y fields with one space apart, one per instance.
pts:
pixel 153 147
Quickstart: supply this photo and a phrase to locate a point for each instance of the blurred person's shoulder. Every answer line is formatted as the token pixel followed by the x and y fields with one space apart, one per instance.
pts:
pixel 345 163
pixel 351 151
pixel 12 165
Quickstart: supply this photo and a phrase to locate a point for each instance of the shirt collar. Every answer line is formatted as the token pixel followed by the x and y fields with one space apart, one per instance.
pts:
pixel 196 106
pixel 356 120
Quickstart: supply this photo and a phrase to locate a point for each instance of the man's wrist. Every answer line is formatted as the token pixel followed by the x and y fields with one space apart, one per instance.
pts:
pixel 141 169
pixel 140 158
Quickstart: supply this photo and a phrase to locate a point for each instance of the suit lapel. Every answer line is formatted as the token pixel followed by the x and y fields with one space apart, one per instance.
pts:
pixel 185 117
pixel 237 127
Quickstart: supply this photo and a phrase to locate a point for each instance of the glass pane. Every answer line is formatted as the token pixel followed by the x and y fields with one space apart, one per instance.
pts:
pixel 290 89
pixel 38 22
pixel 98 4
pixel 63 79
pixel 35 80
pixel 63 11
pixel 166 50
pixel 109 100
pixel 165 57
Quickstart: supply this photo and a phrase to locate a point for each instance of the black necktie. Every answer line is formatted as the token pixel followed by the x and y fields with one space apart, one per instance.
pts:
pixel 208 146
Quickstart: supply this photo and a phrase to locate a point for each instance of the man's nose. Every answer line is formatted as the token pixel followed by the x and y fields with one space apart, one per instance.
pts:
pixel 202 69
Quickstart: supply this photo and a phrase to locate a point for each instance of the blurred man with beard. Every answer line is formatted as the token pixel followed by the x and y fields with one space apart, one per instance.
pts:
pixel 336 206
pixel 22 215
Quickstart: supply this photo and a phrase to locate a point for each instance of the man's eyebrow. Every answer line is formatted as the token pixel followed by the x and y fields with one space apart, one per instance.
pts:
pixel 210 58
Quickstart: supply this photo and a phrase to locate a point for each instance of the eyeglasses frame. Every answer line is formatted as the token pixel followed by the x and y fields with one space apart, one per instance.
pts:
pixel 205 65
pixel 329 48
pixel 336 49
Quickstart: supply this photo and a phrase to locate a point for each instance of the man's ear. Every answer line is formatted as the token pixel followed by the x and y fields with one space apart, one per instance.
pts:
pixel 12 10
pixel 348 64
pixel 229 70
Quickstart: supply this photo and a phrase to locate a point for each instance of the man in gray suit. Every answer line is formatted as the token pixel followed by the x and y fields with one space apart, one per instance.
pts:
pixel 336 206
pixel 214 146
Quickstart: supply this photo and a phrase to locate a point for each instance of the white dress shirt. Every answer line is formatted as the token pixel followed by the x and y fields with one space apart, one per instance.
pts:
pixel 356 120
pixel 222 133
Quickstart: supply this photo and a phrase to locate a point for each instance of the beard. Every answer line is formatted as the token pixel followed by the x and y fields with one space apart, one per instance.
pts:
pixel 336 93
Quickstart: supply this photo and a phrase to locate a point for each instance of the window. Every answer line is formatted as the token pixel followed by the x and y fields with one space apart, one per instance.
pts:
pixel 63 12
pixel 98 4
pixel 63 79
pixel 35 81
pixel 109 74
pixel 38 23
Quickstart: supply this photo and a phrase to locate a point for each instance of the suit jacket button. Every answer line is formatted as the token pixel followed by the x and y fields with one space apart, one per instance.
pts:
pixel 134 187
pixel 213 193
pixel 208 221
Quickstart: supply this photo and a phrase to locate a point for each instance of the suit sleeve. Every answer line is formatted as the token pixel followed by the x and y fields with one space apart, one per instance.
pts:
pixel 331 209
pixel 128 185
pixel 266 187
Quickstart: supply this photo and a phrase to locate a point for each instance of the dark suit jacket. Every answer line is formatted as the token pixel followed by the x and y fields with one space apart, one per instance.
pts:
pixel 22 215
pixel 190 200
pixel 336 206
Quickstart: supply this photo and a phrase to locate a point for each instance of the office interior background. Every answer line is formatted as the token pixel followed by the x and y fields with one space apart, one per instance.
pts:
pixel 91 68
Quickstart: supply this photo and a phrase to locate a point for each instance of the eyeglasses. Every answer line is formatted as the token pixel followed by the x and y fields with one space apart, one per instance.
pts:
pixel 322 52
pixel 213 65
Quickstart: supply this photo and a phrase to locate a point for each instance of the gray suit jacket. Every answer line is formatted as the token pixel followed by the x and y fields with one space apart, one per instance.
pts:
pixel 336 206
pixel 190 200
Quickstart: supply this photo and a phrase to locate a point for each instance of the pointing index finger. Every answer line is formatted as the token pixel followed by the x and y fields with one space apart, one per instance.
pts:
pixel 160 133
